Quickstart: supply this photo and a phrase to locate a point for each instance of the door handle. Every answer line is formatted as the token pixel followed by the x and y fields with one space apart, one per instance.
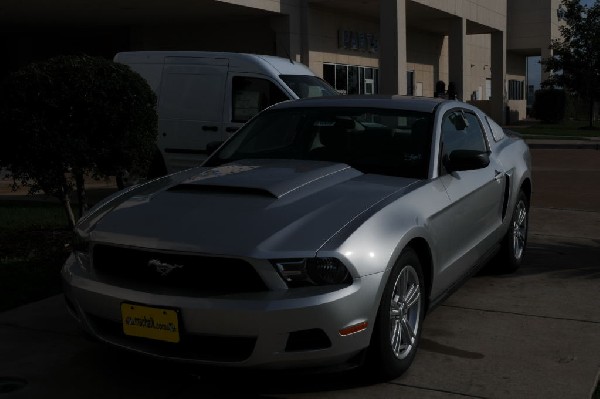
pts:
pixel 499 175
pixel 210 128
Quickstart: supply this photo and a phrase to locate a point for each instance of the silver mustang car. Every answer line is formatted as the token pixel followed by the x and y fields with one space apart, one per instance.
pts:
pixel 319 234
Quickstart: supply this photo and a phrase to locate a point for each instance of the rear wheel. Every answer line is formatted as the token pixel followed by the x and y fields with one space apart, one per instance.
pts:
pixel 399 319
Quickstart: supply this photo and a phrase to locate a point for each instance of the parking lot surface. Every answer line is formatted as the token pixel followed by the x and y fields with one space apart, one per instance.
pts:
pixel 532 334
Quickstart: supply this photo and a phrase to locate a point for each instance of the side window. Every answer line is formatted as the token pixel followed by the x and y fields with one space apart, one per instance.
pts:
pixel 252 95
pixel 462 131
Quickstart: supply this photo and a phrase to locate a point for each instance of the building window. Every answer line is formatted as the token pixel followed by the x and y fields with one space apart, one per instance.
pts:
pixel 516 89
pixel 351 79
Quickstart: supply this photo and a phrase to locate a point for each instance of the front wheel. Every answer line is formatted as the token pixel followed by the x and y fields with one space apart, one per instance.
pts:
pixel 399 319
pixel 515 241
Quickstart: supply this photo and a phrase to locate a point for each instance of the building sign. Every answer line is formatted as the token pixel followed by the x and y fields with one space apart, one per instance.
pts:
pixel 358 41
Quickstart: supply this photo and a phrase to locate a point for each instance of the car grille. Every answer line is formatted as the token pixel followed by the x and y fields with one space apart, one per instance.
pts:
pixel 189 275
pixel 212 348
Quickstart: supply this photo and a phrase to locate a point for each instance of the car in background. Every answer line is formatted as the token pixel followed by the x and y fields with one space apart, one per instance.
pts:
pixel 318 235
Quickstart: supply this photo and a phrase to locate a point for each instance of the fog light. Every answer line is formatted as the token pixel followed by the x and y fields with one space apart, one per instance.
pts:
pixel 354 329
pixel 307 340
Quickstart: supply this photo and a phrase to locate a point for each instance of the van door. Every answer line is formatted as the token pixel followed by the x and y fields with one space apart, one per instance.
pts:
pixel 190 108
pixel 247 95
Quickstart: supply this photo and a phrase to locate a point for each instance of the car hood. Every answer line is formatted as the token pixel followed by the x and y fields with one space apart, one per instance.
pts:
pixel 254 208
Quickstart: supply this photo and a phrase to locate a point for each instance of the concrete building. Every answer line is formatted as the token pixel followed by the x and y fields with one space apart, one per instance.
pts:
pixel 531 25
pixel 479 47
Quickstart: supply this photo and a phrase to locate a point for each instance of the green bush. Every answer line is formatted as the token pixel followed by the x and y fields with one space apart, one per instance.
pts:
pixel 550 105
pixel 72 116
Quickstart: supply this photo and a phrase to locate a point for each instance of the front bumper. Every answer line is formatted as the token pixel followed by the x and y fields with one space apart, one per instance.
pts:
pixel 239 330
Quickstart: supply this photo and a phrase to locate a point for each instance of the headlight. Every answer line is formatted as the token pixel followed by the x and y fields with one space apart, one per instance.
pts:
pixel 313 271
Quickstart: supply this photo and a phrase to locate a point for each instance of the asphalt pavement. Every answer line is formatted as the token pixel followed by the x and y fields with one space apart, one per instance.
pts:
pixel 531 334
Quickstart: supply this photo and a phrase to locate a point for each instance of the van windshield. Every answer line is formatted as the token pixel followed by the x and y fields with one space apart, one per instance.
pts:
pixel 308 86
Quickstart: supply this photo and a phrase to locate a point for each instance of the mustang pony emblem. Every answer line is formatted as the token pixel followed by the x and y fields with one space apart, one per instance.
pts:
pixel 163 268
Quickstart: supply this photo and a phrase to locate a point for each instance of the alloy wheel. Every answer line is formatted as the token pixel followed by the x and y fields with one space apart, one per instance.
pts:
pixel 519 229
pixel 405 312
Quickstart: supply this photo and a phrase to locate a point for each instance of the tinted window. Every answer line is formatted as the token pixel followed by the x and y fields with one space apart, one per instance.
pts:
pixel 462 131
pixel 390 142
pixel 252 95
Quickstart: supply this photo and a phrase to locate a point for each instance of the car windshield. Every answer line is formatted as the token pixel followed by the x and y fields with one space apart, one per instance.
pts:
pixel 382 141
pixel 308 86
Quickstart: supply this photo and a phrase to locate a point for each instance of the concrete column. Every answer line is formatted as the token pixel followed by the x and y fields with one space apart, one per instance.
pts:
pixel 498 77
pixel 392 47
pixel 281 26
pixel 291 32
pixel 459 69
pixel 546 53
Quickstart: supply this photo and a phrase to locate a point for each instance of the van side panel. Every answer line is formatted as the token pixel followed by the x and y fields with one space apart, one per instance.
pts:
pixel 195 99
pixel 190 111
pixel 151 72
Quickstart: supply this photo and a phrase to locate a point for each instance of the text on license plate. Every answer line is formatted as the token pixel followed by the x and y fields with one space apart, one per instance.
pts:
pixel 149 322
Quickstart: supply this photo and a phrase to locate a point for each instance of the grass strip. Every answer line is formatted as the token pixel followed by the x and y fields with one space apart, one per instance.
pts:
pixel 564 130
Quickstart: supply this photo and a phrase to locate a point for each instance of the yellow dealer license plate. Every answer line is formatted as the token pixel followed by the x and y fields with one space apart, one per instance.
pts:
pixel 149 322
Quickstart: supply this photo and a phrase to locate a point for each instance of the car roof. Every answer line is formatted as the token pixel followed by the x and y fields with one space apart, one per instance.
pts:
pixel 419 104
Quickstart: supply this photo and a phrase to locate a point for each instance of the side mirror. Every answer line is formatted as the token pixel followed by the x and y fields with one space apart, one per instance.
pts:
pixel 466 160
pixel 213 146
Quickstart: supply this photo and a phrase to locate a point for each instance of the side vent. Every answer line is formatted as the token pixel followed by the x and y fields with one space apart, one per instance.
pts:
pixel 506 196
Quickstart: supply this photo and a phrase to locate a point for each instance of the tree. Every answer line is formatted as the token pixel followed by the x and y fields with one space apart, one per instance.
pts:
pixel 72 116
pixel 575 64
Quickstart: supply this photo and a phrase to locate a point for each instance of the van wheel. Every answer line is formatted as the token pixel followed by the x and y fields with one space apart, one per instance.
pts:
pixel 157 166
pixel 399 320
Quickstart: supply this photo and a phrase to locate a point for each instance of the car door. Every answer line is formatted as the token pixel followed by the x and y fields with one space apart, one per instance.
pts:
pixel 476 196
pixel 190 108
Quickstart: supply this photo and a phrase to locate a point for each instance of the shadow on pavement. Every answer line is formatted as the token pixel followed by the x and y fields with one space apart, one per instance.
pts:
pixel 560 258
pixel 131 372
pixel 228 383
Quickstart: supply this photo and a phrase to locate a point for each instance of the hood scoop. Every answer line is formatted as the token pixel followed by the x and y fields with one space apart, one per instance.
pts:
pixel 217 189
pixel 272 178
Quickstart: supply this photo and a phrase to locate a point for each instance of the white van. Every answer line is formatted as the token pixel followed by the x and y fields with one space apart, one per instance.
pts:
pixel 204 97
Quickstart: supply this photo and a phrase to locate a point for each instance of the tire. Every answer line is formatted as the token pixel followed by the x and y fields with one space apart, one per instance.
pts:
pixel 399 320
pixel 515 241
